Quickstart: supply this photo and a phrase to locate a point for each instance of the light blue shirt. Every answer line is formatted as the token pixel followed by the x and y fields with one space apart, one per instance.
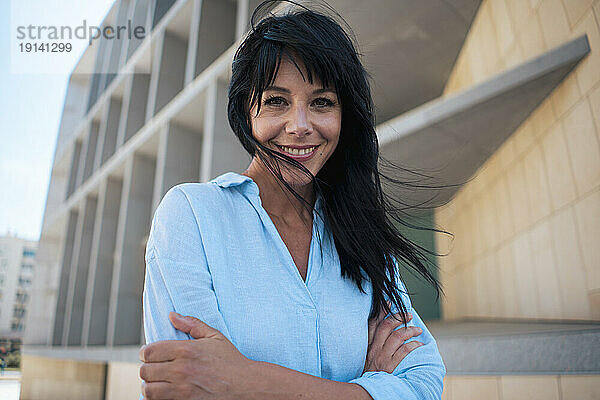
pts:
pixel 214 253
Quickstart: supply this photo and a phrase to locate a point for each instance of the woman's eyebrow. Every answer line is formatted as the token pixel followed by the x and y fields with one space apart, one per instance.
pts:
pixel 284 90
pixel 277 89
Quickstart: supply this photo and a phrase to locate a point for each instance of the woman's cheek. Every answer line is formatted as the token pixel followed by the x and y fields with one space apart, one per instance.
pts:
pixel 265 128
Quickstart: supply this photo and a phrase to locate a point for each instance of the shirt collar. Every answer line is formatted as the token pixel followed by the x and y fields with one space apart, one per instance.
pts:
pixel 230 179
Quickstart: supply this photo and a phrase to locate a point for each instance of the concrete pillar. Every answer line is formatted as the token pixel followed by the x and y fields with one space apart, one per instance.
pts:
pixel 97 77
pixel 65 272
pixel 111 125
pixel 190 65
pixel 117 45
pixel 125 309
pixel 73 170
pixel 208 132
pixel 155 61
pixel 102 121
pixel 178 159
pixel 245 8
pixel 216 32
pixel 81 161
pixel 161 7
pixel 141 17
pixel 90 152
pixel 241 18
pixel 125 102
pixel 171 69
pixel 128 14
pixel 232 156
pixel 136 106
pixel 79 272
pixel 103 78
pixel 95 317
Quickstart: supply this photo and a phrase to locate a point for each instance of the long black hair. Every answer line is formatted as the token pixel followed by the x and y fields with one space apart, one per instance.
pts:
pixel 356 210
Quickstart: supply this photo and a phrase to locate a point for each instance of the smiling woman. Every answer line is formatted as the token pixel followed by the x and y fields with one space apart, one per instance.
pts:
pixel 281 278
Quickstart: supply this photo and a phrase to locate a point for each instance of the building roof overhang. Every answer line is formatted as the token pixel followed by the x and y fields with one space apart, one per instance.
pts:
pixel 449 138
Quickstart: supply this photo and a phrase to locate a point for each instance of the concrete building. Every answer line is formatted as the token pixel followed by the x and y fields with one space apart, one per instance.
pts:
pixel 16 271
pixel 497 100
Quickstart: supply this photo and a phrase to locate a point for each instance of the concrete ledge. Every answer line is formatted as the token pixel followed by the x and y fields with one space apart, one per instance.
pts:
pixel 452 136
pixel 468 348
pixel 527 348
pixel 128 354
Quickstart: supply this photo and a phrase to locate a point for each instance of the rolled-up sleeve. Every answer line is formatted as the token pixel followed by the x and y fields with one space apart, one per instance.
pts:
pixel 419 376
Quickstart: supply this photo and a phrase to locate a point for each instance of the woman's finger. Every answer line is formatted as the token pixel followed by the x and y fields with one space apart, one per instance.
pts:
pixel 157 390
pixel 157 372
pixel 386 327
pixel 163 350
pixel 398 337
pixel 373 322
pixel 404 350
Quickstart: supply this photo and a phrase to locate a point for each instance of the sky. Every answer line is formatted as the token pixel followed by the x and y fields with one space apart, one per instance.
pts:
pixel 31 106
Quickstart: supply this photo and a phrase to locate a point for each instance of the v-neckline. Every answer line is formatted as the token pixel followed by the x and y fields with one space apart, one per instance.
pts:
pixel 270 225
pixel 310 244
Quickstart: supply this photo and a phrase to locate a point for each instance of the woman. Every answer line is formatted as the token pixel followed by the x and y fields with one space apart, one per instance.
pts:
pixel 281 275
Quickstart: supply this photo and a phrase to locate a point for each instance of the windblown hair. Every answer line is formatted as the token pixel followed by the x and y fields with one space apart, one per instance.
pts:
pixel 356 210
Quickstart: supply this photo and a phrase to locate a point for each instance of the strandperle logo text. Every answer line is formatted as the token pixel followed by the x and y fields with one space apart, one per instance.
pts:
pixel 83 31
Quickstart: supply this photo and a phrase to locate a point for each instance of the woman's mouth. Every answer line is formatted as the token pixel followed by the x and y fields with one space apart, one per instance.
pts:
pixel 299 154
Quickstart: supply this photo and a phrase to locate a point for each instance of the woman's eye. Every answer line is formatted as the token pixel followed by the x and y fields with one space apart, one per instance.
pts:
pixel 323 102
pixel 276 101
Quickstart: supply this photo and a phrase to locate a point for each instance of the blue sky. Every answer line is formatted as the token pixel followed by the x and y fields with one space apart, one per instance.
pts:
pixel 30 111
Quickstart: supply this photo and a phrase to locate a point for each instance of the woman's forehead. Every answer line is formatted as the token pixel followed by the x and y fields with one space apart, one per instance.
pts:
pixel 293 70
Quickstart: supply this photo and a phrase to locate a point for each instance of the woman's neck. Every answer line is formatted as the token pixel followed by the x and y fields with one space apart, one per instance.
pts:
pixel 276 199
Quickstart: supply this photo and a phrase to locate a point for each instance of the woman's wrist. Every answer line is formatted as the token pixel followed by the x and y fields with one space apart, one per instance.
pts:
pixel 272 381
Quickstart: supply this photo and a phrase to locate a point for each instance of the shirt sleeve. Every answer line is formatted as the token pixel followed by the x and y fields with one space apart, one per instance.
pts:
pixel 177 274
pixel 419 376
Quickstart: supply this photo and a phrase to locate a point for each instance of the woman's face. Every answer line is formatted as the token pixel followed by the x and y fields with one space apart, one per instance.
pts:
pixel 298 119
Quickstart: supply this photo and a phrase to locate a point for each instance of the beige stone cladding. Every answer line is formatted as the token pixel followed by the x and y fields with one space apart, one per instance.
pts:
pixel 526 228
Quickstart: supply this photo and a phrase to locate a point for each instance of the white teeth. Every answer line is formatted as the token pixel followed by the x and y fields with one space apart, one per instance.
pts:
pixel 297 152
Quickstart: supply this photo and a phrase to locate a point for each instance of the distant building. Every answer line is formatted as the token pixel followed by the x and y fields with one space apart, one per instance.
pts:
pixel 17 259
pixel 498 99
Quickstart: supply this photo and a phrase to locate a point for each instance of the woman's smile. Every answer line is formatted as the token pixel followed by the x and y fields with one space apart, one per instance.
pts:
pixel 299 153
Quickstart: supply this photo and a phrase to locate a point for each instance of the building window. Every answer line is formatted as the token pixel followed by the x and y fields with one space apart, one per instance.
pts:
pixel 28 252
pixel 22 297
pixel 24 282
pixel 18 313
pixel 27 267
pixel 16 326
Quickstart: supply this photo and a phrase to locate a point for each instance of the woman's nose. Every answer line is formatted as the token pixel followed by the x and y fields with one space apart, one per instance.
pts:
pixel 299 121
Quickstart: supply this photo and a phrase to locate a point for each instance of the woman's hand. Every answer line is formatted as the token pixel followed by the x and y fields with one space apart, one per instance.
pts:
pixel 208 367
pixel 387 346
